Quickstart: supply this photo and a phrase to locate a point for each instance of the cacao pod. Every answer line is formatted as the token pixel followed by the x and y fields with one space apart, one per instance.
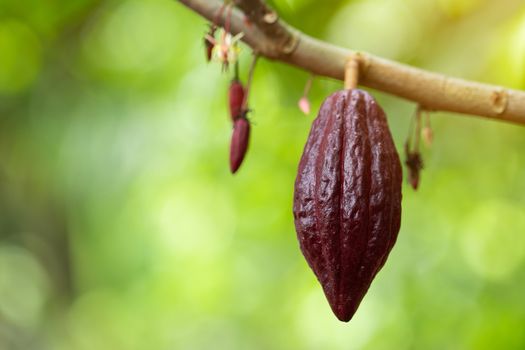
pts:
pixel 239 142
pixel 347 200
pixel 236 99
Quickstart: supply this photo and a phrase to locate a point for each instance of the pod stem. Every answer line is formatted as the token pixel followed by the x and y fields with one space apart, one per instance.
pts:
pixel 249 81
pixel 352 71
pixel 308 85
pixel 414 129
pixel 236 71
pixel 417 135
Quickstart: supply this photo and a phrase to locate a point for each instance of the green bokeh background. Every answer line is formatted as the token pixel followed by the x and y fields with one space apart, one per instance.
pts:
pixel 122 228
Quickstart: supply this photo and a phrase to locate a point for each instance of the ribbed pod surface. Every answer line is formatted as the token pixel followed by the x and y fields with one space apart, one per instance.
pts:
pixel 347 200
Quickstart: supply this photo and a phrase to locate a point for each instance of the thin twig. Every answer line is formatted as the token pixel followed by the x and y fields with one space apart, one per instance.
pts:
pixel 274 39
pixel 249 82
pixel 308 85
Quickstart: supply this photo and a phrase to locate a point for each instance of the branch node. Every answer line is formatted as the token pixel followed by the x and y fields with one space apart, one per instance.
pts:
pixel 291 44
pixel 270 17
pixel 499 100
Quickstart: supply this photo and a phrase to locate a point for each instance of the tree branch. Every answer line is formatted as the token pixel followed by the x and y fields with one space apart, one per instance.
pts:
pixel 271 37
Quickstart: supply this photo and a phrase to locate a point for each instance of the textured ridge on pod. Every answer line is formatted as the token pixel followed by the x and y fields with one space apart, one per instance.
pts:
pixel 347 200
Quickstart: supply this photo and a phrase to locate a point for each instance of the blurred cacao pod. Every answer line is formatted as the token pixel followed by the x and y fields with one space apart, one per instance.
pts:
pixel 347 201
pixel 236 98
pixel 239 142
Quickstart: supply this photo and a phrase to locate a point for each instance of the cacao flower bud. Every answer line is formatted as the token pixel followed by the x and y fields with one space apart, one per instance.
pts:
pixel 209 42
pixel 209 49
pixel 236 98
pixel 304 105
pixel 347 200
pixel 239 142
pixel 428 135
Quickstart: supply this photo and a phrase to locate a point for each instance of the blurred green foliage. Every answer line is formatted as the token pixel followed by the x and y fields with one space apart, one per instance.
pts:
pixel 121 227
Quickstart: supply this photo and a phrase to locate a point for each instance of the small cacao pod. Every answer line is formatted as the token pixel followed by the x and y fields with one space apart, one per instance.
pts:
pixel 414 163
pixel 239 142
pixel 236 98
pixel 347 200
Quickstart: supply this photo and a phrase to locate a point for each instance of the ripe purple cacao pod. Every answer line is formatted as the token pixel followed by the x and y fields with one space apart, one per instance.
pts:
pixel 236 99
pixel 347 200
pixel 239 142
